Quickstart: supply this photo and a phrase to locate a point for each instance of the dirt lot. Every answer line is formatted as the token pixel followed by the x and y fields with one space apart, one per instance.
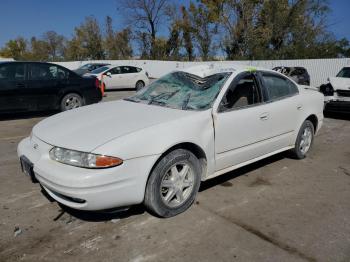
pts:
pixel 278 209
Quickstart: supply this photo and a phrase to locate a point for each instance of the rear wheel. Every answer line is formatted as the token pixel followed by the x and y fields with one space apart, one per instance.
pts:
pixel 304 140
pixel 139 85
pixel 173 184
pixel 71 101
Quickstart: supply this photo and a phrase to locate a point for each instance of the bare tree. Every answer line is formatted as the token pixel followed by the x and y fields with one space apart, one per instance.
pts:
pixel 146 16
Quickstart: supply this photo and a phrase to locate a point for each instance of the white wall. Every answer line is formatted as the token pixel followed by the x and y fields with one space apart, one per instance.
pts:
pixel 319 69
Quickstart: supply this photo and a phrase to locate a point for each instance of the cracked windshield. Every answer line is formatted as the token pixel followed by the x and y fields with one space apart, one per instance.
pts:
pixel 182 90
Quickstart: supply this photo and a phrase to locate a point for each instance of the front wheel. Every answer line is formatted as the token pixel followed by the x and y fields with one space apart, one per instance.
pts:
pixel 71 101
pixel 173 184
pixel 304 140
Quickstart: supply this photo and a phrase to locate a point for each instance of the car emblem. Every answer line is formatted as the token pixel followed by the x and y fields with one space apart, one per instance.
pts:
pixel 35 146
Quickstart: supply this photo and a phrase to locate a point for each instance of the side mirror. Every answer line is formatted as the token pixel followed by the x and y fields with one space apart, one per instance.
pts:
pixel 108 74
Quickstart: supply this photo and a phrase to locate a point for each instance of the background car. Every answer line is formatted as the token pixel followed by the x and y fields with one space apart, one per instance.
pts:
pixel 337 92
pixel 35 86
pixel 298 74
pixel 116 77
pixel 88 68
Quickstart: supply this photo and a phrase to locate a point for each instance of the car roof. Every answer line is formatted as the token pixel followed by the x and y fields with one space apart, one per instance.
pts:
pixel 211 69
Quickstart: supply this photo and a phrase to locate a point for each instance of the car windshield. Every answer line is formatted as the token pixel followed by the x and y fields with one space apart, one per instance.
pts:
pixel 182 90
pixel 345 72
pixel 87 66
pixel 99 70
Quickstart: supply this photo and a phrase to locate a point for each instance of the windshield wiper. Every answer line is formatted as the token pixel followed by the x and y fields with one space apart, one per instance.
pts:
pixel 131 100
pixel 163 95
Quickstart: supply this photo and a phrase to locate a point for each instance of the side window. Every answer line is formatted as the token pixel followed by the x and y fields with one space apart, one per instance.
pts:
pixel 47 72
pixel 138 69
pixel 115 70
pixel 243 93
pixel 126 69
pixel 278 87
pixel 12 72
pixel 58 73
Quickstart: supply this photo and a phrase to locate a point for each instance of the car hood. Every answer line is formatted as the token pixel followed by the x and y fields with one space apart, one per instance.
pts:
pixel 86 128
pixel 340 83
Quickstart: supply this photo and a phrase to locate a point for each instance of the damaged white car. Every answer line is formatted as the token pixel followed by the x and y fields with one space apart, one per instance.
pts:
pixel 156 146
pixel 337 92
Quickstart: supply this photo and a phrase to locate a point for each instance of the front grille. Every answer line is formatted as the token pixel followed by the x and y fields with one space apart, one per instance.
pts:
pixel 343 93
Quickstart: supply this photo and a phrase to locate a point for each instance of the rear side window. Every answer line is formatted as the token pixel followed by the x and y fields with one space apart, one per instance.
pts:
pixel 128 69
pixel 47 72
pixel 12 72
pixel 115 70
pixel 278 87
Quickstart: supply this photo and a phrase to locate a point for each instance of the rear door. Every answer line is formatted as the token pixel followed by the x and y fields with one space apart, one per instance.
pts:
pixel 130 75
pixel 285 109
pixel 45 83
pixel 12 87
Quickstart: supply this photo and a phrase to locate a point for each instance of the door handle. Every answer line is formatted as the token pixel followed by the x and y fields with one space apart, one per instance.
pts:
pixel 264 116
pixel 299 107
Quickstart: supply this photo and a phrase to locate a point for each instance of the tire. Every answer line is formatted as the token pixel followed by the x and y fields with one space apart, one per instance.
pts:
pixel 139 85
pixel 173 184
pixel 304 140
pixel 71 101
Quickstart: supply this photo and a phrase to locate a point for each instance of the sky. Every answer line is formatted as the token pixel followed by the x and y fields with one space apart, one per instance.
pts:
pixel 29 18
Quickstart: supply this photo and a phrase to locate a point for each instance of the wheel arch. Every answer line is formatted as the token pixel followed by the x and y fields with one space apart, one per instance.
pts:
pixel 193 148
pixel 314 120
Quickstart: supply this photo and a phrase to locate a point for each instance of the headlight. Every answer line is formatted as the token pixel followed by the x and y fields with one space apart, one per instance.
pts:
pixel 82 159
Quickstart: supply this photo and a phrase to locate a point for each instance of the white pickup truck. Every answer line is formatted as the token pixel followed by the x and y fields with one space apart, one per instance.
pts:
pixel 337 92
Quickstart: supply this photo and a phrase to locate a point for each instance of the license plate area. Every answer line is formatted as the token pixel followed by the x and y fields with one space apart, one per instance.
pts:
pixel 27 168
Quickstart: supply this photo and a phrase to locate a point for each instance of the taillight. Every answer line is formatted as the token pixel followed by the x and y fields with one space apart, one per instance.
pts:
pixel 97 83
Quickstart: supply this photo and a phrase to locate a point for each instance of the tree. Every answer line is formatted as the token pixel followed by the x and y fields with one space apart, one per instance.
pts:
pixel 146 16
pixel 203 27
pixel 86 42
pixel 185 25
pixel 55 45
pixel 16 49
pixel 39 50
pixel 117 44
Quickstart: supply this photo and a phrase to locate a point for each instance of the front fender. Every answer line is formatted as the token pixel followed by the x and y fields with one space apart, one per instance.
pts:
pixel 155 140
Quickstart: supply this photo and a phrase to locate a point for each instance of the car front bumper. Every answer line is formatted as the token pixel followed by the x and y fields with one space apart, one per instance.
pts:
pixel 88 189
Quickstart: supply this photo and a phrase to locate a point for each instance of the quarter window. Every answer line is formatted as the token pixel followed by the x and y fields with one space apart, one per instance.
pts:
pixel 278 87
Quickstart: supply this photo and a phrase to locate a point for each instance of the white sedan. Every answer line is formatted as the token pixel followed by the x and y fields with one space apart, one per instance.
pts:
pixel 186 127
pixel 116 77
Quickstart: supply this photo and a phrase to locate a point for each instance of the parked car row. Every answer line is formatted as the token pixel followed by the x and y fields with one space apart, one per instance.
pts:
pixel 36 86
